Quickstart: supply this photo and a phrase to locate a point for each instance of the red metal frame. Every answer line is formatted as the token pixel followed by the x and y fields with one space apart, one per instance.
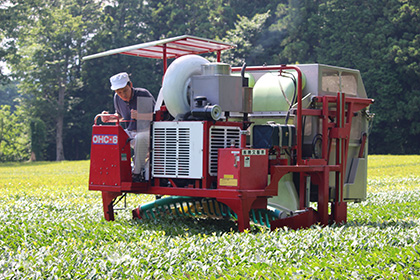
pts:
pixel 241 201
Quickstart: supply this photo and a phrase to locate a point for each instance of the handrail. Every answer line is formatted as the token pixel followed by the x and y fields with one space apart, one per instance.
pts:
pixel 104 115
pixel 117 119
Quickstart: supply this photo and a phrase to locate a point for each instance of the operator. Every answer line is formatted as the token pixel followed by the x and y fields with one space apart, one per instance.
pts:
pixel 134 105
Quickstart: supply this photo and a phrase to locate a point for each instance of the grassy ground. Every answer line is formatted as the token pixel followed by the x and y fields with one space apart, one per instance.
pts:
pixel 51 227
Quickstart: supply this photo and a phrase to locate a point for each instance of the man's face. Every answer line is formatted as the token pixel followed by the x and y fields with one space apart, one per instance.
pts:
pixel 125 92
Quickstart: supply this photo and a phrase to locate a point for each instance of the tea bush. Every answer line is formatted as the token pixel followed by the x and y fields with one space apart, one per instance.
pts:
pixel 52 227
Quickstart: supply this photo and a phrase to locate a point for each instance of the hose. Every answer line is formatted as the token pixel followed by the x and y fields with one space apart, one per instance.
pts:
pixel 292 77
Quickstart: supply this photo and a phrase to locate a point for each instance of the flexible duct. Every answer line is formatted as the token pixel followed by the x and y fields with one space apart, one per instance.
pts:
pixel 176 82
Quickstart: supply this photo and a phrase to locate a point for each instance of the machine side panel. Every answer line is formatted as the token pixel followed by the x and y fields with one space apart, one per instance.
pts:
pixel 110 156
pixel 224 90
pixel 221 137
pixel 355 188
pixel 177 150
pixel 244 169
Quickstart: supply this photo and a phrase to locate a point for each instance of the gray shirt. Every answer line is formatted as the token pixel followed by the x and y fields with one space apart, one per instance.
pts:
pixel 124 108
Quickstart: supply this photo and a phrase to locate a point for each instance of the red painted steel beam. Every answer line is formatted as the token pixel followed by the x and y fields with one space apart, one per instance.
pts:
pixel 301 220
pixel 107 202
pixel 223 193
pixel 362 145
pixel 165 60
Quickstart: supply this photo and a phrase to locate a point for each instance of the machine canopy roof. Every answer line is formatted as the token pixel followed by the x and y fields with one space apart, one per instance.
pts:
pixel 169 48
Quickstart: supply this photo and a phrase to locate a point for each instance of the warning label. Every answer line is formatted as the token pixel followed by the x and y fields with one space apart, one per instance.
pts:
pixel 252 152
pixel 228 181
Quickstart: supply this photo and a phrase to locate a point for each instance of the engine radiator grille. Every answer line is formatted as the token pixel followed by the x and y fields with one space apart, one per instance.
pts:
pixel 222 137
pixel 177 150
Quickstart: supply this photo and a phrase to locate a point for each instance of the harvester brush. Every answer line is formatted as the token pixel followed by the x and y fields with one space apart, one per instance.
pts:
pixel 185 206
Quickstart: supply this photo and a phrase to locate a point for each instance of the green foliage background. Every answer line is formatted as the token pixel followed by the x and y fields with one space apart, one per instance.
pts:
pixel 51 226
pixel 43 42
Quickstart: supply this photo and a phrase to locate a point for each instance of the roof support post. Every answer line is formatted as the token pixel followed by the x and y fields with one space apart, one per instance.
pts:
pixel 165 61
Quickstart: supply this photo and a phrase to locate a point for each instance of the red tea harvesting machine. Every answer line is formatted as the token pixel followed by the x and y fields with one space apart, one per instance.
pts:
pixel 282 145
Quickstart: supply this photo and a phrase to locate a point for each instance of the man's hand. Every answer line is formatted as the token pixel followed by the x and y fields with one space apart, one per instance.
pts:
pixel 110 118
pixel 134 114
pixel 105 119
pixel 141 116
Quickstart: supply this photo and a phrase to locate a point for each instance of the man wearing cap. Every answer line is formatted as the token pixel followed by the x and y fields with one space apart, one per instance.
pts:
pixel 134 105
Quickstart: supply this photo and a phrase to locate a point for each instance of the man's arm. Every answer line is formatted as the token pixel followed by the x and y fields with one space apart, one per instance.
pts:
pixel 135 115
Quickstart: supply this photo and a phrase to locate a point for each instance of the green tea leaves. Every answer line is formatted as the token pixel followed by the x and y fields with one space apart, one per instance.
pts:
pixel 51 227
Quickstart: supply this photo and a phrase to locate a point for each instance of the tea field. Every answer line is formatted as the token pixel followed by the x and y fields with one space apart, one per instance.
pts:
pixel 51 227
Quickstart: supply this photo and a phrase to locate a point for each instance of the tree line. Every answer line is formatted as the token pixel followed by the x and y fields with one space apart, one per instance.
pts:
pixel 49 97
